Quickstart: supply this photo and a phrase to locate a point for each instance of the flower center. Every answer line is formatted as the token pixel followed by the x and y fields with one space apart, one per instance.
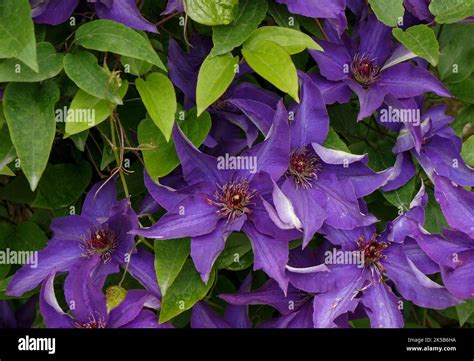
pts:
pixel 373 254
pixel 234 199
pixel 94 323
pixel 101 242
pixel 304 167
pixel 364 70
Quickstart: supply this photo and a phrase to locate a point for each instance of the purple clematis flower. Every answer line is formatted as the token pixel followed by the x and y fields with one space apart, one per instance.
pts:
pixel 369 66
pixel 100 232
pixel 54 12
pixel 203 316
pixel 244 106
pixel 391 261
pixel 367 270
pixel 89 307
pixel 221 198
pixel 321 185
pixel 438 150
pixel 22 318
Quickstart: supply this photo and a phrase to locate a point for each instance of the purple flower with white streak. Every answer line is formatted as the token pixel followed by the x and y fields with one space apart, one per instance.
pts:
pixel 89 307
pixel 438 150
pixel 370 66
pixel 101 232
pixel 54 12
pixel 321 185
pixel 217 202
pixel 388 264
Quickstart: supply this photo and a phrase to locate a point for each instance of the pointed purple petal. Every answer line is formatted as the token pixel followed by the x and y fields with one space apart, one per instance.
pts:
pixel 125 12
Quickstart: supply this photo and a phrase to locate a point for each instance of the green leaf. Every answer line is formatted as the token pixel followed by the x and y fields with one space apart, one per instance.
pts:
pixel 82 68
pixel 390 12
pixel 401 197
pixel 465 310
pixel 227 37
pixel 50 64
pixel 85 106
pixel 29 111
pixel 236 247
pixel 17 32
pixel 211 12
pixel 136 67
pixel 462 120
pixel 456 52
pixel 62 185
pixel 451 11
pixel 421 40
pixel 464 90
pixel 158 95
pixel 215 76
pixel 274 64
pixel 468 151
pixel 7 171
pixel 170 257
pixel 107 35
pixel 333 141
pixel 7 150
pixel 28 236
pixel 293 41
pixel 186 290
pixel 160 158
pixel 282 16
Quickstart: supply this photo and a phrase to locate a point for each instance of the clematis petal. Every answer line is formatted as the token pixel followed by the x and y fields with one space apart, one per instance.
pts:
pixel 53 315
pixel 327 307
pixel 206 248
pixel 99 201
pixel 131 307
pixel 332 61
pixel 271 255
pixel 456 203
pixel 191 218
pixel 382 307
pixel 311 121
pixel 54 12
pixel 142 268
pixel 412 284
pixel 59 256
pixel 203 316
pixel 125 12
pixel 406 80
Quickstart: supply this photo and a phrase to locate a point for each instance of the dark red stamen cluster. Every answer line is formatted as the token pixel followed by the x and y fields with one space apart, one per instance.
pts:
pixel 364 70
pixel 304 167
pixel 234 199
pixel 102 242
pixel 94 323
pixel 372 250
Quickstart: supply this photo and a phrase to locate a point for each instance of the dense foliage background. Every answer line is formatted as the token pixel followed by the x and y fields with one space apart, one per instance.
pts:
pixel 90 92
